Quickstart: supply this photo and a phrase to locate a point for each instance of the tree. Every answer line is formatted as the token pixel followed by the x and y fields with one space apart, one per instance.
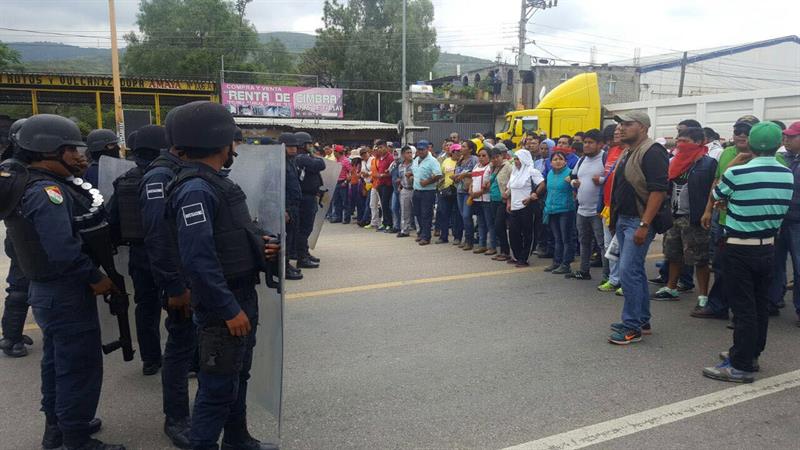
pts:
pixel 241 6
pixel 273 57
pixel 187 38
pixel 360 46
pixel 9 58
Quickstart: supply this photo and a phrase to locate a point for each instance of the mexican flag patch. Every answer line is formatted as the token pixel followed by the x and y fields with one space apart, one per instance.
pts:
pixel 54 194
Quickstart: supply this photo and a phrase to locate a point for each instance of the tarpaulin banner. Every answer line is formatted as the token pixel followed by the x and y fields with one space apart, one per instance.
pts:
pixel 282 101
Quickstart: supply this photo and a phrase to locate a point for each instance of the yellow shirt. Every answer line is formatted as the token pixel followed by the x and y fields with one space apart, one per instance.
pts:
pixel 448 170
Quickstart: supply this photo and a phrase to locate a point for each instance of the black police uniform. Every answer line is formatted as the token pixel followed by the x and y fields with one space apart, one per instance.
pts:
pixel 96 142
pixel 222 252
pixel 46 237
pixel 309 168
pixel 292 198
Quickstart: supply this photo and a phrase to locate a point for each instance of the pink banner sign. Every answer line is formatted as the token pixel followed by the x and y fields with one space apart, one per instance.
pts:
pixel 282 101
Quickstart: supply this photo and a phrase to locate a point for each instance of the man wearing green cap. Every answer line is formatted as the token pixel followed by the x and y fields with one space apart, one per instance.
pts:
pixel 757 195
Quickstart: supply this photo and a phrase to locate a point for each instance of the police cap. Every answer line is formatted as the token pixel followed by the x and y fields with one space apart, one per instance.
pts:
pixel 288 139
pixel 97 140
pixel 46 133
pixel 150 137
pixel 303 138
pixel 200 124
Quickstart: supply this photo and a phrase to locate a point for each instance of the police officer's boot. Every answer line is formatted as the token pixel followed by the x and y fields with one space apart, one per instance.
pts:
pixel 306 263
pixel 313 258
pixel 14 315
pixel 177 430
pixel 15 349
pixel 53 439
pixel 236 437
pixel 292 273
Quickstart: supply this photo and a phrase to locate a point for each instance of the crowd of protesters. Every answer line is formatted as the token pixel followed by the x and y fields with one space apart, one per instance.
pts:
pixel 602 196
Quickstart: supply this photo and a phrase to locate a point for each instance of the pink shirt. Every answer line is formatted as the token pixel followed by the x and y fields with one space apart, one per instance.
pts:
pixel 345 162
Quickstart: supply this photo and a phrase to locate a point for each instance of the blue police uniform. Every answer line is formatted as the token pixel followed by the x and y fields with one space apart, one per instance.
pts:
pixel 293 197
pixel 64 308
pixel 165 265
pixel 195 204
pixel 309 168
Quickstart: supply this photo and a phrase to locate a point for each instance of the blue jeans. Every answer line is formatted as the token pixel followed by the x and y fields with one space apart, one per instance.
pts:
pixel 423 210
pixel 449 218
pixel 687 274
pixel 466 218
pixel 339 201
pixel 636 309
pixel 396 217
pixel 485 226
pixel 787 243
pixel 355 203
pixel 562 225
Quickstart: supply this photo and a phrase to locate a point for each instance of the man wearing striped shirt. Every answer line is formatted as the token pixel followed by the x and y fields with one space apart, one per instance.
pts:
pixel 757 196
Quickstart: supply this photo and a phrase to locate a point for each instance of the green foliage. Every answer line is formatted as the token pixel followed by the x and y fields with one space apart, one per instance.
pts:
pixel 360 46
pixel 273 57
pixel 187 38
pixel 9 58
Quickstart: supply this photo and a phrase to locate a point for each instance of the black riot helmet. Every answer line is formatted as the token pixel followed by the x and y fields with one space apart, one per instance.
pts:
pixel 47 133
pixel 14 129
pixel 200 124
pixel 130 142
pixel 150 140
pixel 97 140
pixel 303 139
pixel 288 139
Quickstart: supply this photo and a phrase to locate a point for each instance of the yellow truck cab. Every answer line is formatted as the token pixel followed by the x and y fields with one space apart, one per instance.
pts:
pixel 572 106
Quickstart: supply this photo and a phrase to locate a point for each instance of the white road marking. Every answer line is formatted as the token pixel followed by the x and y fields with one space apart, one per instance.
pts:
pixel 645 420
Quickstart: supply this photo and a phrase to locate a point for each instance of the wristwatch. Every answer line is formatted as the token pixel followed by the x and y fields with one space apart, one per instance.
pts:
pixel 644 224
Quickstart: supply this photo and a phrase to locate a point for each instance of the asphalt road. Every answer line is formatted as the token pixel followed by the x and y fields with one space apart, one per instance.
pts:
pixel 392 345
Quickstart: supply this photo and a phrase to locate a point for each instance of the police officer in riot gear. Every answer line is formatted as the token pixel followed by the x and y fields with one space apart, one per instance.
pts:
pixel 125 214
pixel 309 167
pixel 222 251
pixel 63 281
pixel 293 198
pixel 100 142
pixel 173 286
pixel 16 305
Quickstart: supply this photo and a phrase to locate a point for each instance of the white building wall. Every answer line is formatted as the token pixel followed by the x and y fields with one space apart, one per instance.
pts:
pixel 775 66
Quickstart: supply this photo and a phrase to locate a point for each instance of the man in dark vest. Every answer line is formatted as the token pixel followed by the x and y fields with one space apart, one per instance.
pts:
pixel 63 279
pixel 125 214
pixel 222 251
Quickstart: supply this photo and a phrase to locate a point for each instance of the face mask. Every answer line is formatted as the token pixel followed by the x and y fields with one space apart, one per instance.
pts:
pixel 229 162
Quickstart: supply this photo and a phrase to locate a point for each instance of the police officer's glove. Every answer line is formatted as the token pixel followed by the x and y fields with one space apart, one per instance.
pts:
pixel 181 303
pixel 272 248
pixel 239 325
pixel 104 287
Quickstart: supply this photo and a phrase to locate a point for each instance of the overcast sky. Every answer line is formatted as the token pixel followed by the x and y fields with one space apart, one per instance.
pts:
pixel 481 28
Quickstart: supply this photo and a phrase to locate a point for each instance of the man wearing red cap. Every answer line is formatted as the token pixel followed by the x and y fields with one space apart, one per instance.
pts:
pixel 340 193
pixel 788 242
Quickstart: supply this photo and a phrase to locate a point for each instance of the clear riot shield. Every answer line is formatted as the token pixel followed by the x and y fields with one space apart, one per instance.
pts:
pixel 260 170
pixel 109 170
pixel 329 177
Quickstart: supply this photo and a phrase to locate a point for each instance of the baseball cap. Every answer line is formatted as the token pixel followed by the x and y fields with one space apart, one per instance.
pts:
pixel 765 136
pixel 793 130
pixel 455 147
pixel 501 147
pixel 338 148
pixel 748 119
pixel 423 144
pixel 633 116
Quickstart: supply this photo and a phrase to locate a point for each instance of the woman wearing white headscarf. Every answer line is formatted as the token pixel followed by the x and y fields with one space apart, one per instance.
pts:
pixel 521 203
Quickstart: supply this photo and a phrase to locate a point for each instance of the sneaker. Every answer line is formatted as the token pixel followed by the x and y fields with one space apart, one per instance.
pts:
pixel 667 294
pixel 707 313
pixel 684 288
pixel 657 281
pixel 551 267
pixel 368 226
pixel 625 337
pixel 490 252
pixel 726 355
pixel 479 250
pixel 725 372
pixel 561 270
pixel 619 327
pixel 607 287
pixel 619 292
pixel 578 275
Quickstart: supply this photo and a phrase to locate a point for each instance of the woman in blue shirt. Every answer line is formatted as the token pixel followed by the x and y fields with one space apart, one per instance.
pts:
pixel 559 213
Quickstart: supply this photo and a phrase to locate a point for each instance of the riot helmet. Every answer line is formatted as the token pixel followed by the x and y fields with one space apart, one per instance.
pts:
pixel 200 124
pixel 98 140
pixel 48 133
pixel 14 129
pixel 303 139
pixel 150 140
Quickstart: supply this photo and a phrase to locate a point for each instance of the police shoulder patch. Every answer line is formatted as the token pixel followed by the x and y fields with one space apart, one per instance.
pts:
pixel 54 194
pixel 154 190
pixel 193 214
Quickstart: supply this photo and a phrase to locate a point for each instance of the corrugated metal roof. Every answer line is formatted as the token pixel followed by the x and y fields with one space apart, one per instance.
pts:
pixel 669 60
pixel 322 124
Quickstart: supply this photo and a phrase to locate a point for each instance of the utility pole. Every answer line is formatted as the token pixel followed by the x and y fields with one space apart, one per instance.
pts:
pixel 684 60
pixel 118 116
pixel 528 9
pixel 404 108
